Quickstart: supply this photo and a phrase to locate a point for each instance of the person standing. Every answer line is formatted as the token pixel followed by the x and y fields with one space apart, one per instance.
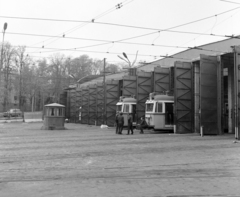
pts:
pixel 142 125
pixel 116 122
pixel 130 123
pixel 120 120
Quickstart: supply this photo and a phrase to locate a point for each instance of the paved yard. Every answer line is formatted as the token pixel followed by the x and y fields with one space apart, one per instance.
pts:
pixel 88 161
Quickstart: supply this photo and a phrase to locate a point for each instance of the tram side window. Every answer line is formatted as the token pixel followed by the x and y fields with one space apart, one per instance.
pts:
pixel 159 107
pixel 149 107
pixel 126 108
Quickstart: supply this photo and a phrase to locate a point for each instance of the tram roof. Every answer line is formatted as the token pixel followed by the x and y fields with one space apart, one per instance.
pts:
pixel 163 97
pixel 132 100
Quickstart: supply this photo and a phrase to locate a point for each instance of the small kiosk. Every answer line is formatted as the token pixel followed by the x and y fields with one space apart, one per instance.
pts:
pixel 54 117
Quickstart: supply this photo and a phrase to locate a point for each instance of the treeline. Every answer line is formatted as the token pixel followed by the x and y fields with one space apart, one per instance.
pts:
pixel 28 84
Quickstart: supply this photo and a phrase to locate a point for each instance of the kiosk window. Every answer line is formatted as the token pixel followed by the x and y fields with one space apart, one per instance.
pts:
pixel 60 112
pixel 52 112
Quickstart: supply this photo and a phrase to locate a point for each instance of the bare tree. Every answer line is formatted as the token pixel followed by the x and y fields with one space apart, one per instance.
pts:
pixel 8 66
pixel 22 61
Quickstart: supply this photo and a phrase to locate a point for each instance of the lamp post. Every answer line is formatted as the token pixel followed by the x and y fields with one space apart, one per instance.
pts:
pixel 127 60
pixel 73 77
pixel 4 29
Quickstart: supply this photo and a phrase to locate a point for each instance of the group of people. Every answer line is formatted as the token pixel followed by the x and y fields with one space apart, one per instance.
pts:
pixel 120 123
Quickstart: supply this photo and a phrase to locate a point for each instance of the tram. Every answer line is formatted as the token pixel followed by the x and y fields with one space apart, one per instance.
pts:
pixel 159 113
pixel 127 105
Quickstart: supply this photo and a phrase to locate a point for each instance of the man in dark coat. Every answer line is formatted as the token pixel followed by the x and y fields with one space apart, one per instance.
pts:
pixel 142 125
pixel 116 122
pixel 130 123
pixel 120 120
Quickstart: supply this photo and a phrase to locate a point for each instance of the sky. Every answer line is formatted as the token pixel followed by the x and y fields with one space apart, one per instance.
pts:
pixel 144 29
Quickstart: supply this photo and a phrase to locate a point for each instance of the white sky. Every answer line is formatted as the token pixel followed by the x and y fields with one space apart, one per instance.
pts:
pixel 156 14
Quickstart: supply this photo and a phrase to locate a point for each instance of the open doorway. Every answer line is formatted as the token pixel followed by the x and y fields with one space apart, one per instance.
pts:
pixel 228 92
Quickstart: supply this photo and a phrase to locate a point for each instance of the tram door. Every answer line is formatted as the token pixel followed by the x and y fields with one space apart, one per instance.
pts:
pixel 210 94
pixel 169 114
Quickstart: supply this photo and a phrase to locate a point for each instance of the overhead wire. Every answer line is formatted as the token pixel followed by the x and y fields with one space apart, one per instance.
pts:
pixel 121 25
pixel 84 23
pixel 107 52
pixel 117 53
pixel 121 42
pixel 230 2
pixel 169 52
pixel 168 29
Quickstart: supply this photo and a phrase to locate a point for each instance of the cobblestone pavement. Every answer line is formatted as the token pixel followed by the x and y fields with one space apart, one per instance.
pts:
pixel 86 161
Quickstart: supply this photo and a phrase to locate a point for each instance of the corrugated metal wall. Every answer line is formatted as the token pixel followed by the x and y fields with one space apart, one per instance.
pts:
pixel 183 96
pixel 210 97
pixel 161 79
pixel 112 97
pixel 72 105
pixel 100 109
pixel 196 72
pixel 85 103
pixel 144 88
pixel 129 86
pixel 78 103
pixel 92 104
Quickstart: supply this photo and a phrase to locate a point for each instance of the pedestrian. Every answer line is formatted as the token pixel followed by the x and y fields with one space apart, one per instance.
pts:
pixel 142 125
pixel 120 120
pixel 116 122
pixel 130 123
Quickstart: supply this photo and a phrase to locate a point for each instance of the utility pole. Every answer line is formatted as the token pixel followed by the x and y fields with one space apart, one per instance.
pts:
pixel 104 92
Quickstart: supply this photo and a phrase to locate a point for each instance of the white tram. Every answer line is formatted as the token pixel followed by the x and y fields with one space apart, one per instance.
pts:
pixel 127 105
pixel 159 113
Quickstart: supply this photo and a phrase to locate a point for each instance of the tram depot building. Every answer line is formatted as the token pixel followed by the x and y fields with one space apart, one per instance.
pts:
pixel 205 83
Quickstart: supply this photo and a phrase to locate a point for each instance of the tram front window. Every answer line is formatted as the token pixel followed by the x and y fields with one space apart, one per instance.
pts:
pixel 149 107
pixel 119 108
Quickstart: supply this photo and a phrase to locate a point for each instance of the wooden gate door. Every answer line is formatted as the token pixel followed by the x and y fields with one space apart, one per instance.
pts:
pixel 237 91
pixel 210 94
pixel 183 97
